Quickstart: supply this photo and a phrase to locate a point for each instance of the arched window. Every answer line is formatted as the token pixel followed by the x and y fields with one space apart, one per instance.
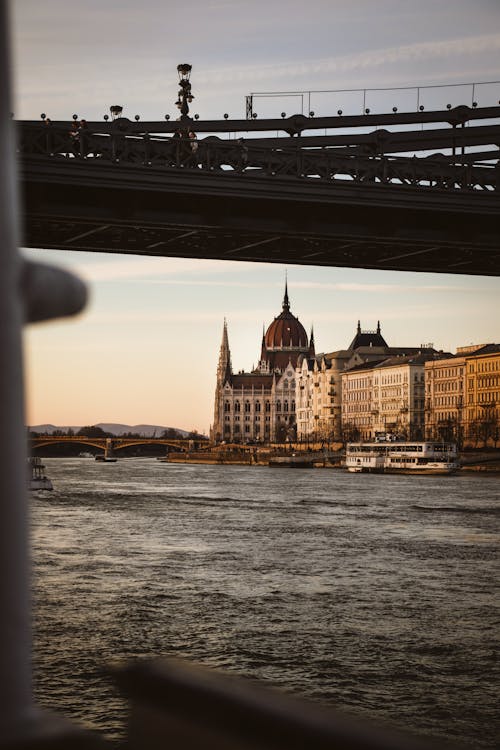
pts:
pixel 237 406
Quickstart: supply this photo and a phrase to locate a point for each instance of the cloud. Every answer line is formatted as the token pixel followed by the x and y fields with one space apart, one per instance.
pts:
pixel 394 56
pixel 140 268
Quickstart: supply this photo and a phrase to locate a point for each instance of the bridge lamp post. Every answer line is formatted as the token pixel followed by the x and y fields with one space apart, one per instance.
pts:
pixel 116 111
pixel 185 96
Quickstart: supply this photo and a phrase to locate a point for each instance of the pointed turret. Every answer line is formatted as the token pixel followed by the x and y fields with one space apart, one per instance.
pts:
pixel 312 352
pixel 224 368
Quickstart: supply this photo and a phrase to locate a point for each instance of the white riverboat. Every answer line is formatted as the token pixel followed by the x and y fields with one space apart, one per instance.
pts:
pixel 398 457
pixel 37 480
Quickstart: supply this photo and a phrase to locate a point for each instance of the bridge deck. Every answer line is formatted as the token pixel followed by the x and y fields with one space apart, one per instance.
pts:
pixel 352 199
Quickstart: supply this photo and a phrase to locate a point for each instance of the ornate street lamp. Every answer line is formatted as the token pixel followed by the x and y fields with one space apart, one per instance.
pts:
pixel 116 111
pixel 185 96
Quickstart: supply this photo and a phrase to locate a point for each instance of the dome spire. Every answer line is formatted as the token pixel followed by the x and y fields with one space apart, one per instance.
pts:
pixel 286 303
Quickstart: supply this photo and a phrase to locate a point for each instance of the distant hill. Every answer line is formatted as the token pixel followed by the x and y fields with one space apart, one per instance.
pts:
pixel 148 430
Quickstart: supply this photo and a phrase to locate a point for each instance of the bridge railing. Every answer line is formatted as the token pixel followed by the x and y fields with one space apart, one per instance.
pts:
pixel 360 157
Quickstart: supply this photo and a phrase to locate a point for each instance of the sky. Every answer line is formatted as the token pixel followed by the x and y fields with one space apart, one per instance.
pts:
pixel 145 350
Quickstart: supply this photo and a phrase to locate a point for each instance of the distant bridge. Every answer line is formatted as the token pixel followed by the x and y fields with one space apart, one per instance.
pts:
pixel 110 445
pixel 360 194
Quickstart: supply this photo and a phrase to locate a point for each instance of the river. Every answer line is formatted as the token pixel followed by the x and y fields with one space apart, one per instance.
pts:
pixel 374 594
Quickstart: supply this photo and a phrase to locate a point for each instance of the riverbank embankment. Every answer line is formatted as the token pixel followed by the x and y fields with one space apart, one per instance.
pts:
pixel 470 461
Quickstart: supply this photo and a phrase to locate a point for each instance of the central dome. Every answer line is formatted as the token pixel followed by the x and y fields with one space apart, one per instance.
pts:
pixel 286 331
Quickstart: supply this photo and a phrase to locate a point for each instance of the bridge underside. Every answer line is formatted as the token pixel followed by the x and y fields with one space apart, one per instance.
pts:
pixel 186 213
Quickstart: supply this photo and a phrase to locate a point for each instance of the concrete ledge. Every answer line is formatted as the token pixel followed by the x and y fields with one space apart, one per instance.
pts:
pixel 177 705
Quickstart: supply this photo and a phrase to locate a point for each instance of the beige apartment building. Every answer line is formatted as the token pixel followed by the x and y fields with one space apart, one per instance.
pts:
pixel 462 396
pixel 445 398
pixel 319 385
pixel 482 396
pixel 387 396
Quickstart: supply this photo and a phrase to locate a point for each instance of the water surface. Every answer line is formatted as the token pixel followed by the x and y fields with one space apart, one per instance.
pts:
pixel 374 594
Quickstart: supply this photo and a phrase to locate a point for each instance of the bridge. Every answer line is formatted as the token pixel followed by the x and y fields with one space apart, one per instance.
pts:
pixel 413 191
pixel 110 445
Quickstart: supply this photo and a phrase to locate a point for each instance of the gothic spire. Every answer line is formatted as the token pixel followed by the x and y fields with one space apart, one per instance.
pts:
pixel 311 343
pixel 286 303
pixel 224 369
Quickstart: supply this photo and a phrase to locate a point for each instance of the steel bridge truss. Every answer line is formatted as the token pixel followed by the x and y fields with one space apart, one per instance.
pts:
pixel 403 191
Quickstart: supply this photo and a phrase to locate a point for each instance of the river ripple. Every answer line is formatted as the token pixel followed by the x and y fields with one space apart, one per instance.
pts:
pixel 373 594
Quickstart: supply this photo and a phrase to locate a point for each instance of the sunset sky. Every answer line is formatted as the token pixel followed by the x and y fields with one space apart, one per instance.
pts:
pixel 146 348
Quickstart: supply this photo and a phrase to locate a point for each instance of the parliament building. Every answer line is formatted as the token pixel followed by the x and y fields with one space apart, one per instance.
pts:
pixel 261 405
pixel 367 389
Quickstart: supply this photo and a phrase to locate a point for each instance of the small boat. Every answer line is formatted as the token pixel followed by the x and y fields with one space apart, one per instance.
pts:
pixel 36 475
pixel 399 457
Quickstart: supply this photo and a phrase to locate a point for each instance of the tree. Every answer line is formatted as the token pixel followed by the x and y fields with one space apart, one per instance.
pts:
pixel 171 434
pixel 93 431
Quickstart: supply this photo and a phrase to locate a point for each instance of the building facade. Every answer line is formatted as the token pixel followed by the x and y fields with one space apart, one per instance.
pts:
pixel 445 398
pixel 386 396
pixel 482 396
pixel 362 391
pixel 260 406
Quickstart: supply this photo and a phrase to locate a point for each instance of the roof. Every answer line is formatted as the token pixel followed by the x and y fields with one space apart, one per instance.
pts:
pixel 486 349
pixel 286 331
pixel 367 338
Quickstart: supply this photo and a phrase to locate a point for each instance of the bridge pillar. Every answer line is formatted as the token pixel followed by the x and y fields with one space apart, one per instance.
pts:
pixel 109 449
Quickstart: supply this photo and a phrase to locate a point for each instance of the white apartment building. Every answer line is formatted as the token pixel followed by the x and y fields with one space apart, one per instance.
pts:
pixel 385 397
